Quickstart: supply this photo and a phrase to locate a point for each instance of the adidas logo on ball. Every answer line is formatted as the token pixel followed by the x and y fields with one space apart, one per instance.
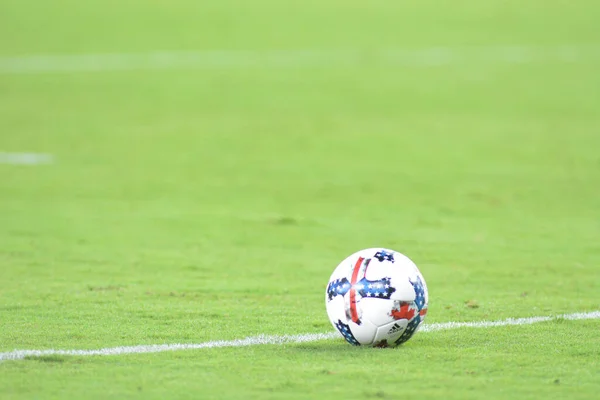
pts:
pixel 394 329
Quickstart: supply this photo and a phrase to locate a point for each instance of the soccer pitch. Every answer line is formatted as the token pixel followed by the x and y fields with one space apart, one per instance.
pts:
pixel 179 179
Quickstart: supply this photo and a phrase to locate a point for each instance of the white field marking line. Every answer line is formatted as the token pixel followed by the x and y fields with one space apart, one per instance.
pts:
pixel 264 339
pixel 26 158
pixel 217 59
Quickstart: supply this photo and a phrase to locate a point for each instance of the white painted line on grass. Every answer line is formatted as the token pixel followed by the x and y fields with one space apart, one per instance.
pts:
pixel 508 322
pixel 158 348
pixel 219 59
pixel 264 339
pixel 26 158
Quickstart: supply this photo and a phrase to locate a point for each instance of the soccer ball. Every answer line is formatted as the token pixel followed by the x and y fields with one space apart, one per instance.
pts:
pixel 376 297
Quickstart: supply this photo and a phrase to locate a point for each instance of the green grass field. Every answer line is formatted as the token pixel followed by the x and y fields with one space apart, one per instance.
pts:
pixel 211 200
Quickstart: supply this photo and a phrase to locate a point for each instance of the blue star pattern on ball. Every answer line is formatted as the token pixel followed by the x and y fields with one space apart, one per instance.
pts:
pixel 380 289
pixel 409 331
pixel 338 287
pixel 419 293
pixel 346 333
pixel 383 255
pixel 420 303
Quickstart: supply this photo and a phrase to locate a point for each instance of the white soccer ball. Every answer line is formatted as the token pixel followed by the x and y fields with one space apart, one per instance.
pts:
pixel 376 297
